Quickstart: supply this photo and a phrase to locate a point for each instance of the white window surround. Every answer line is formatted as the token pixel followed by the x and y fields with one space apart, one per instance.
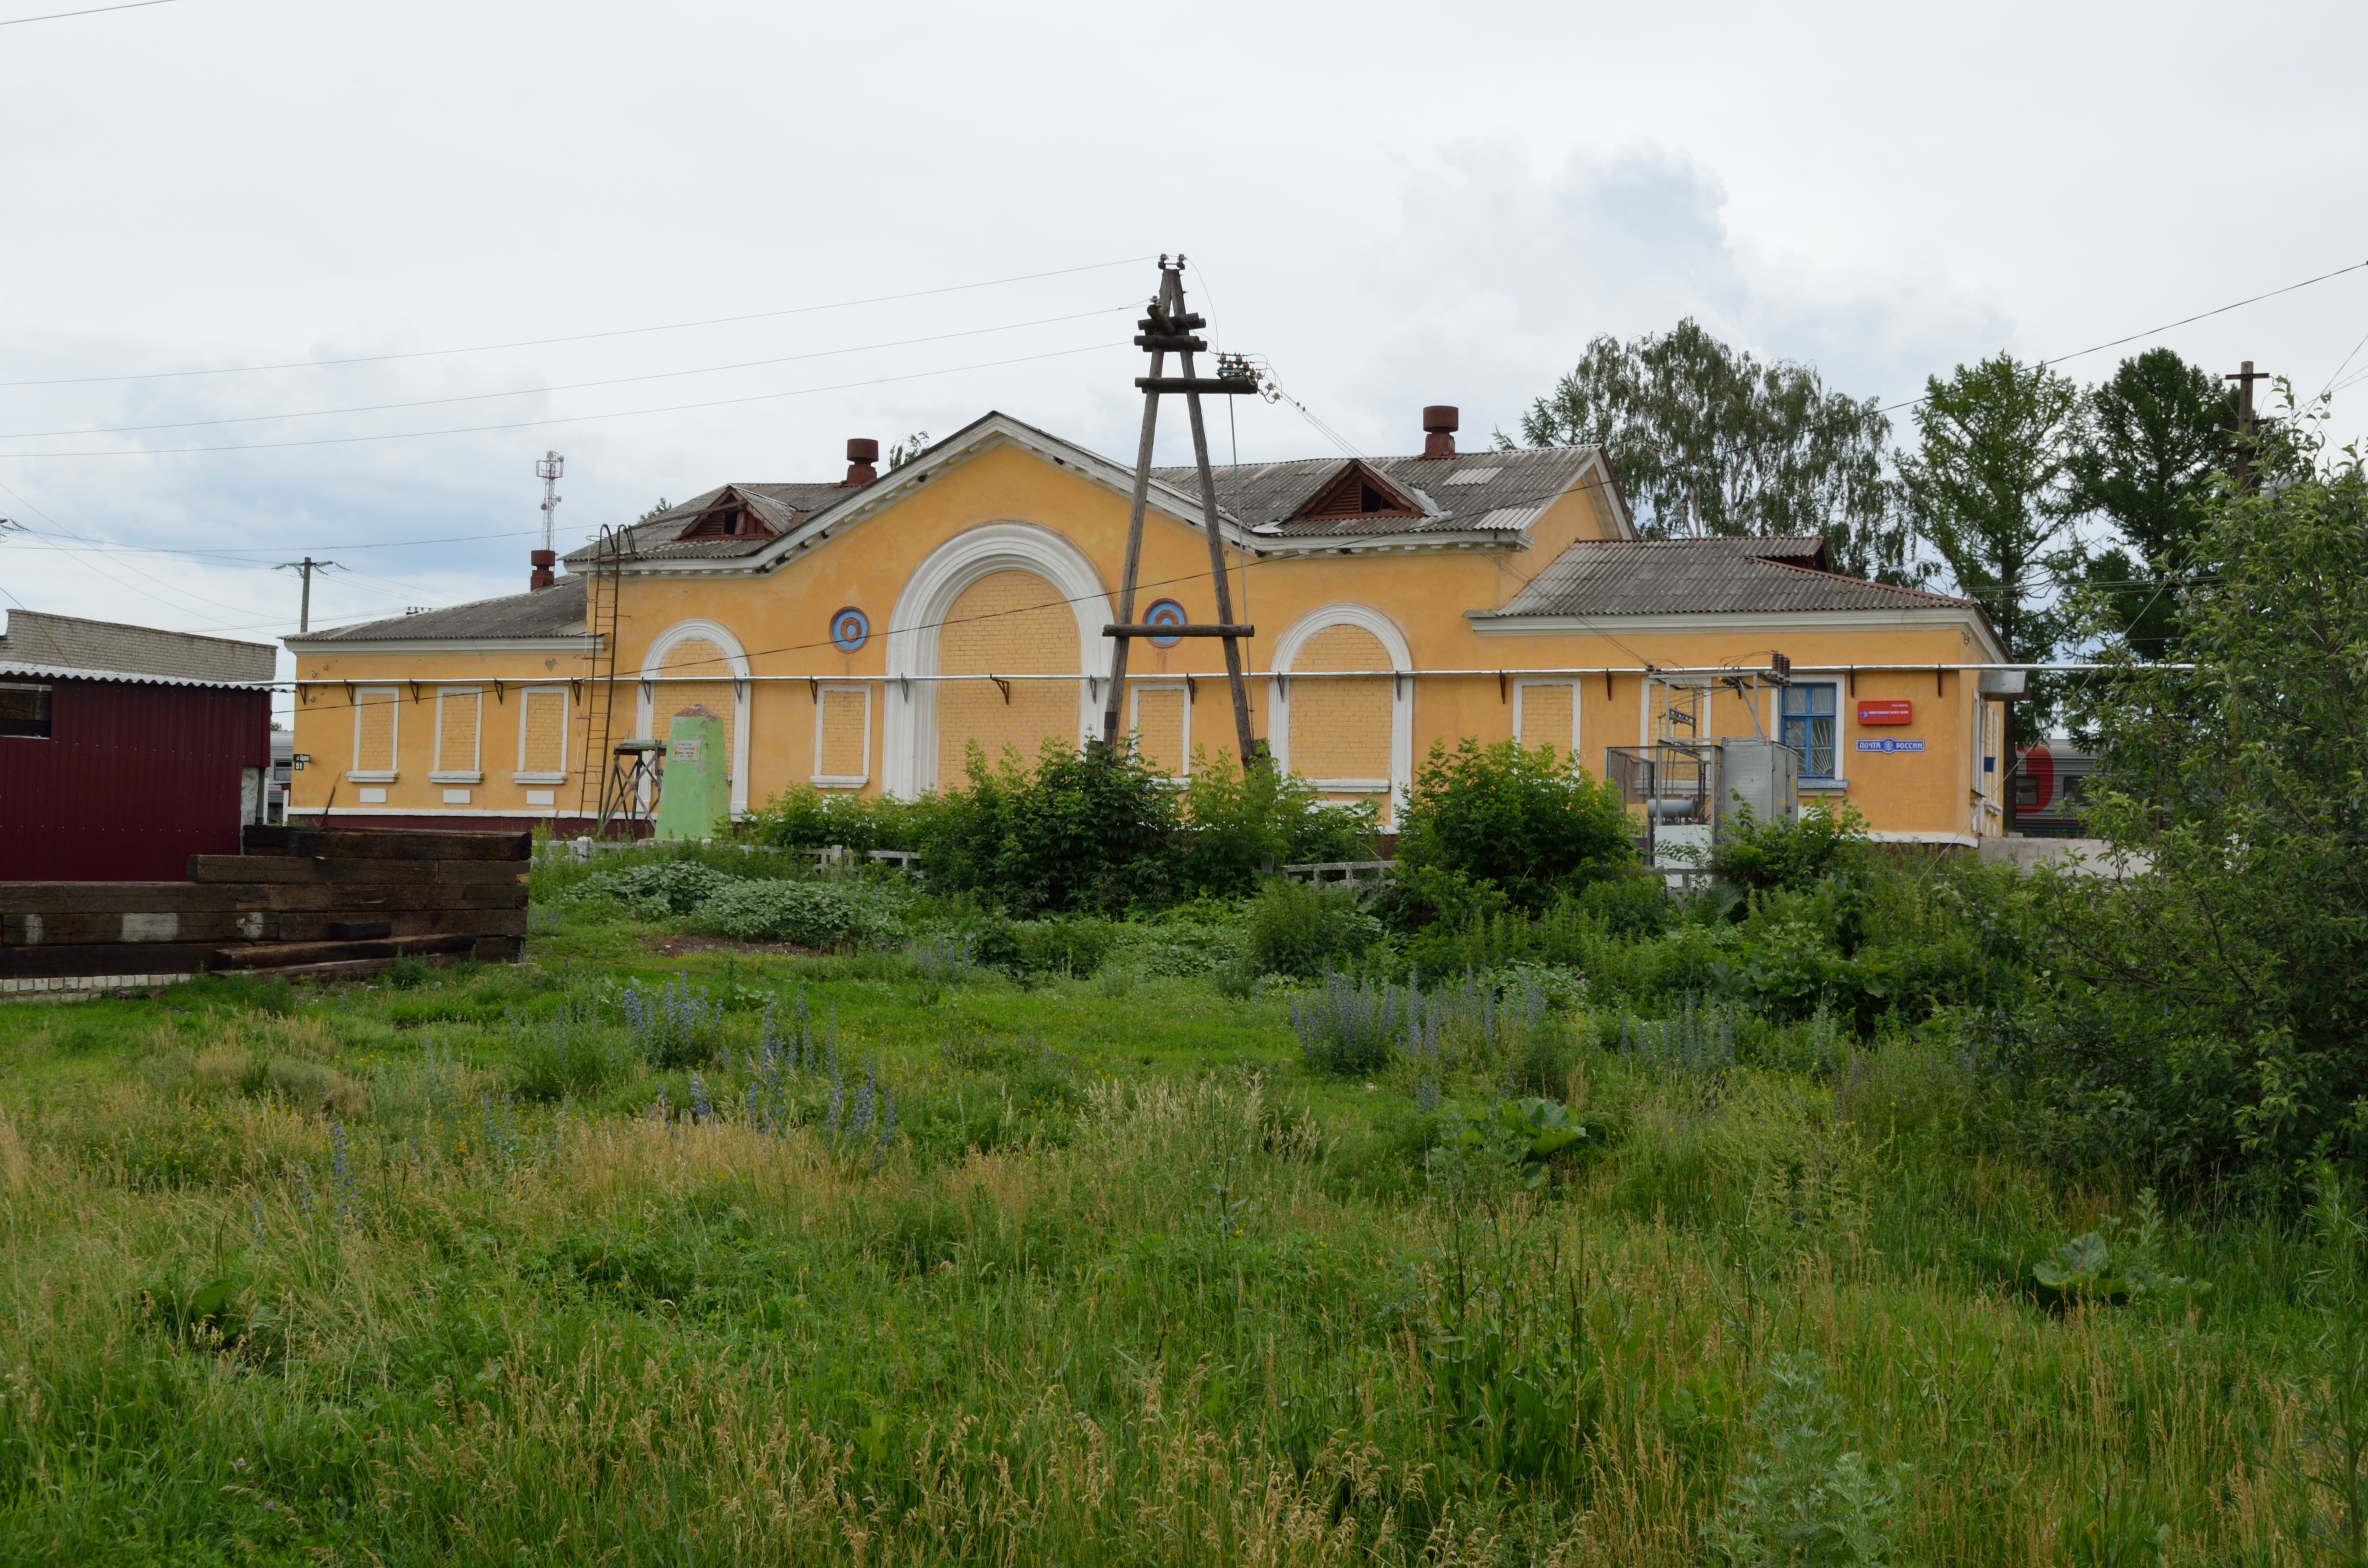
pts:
pixel 1845 728
pixel 1400 783
pixel 1184 734
pixel 394 696
pixel 1567 743
pixel 654 666
pixel 567 716
pixel 841 780
pixel 909 735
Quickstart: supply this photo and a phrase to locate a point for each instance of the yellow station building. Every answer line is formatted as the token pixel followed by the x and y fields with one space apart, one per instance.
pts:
pixel 862 634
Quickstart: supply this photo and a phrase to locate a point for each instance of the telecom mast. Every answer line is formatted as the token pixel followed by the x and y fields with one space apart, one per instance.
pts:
pixel 548 469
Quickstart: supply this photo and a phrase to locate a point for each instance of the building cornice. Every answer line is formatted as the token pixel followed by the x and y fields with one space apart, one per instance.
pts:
pixel 1488 623
pixel 322 647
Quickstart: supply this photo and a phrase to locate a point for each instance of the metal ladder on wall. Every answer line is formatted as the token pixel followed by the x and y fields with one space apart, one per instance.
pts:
pixel 621 770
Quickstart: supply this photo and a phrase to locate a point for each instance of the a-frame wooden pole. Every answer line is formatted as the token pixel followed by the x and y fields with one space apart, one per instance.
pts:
pixel 1169 325
pixel 1234 678
pixel 1113 709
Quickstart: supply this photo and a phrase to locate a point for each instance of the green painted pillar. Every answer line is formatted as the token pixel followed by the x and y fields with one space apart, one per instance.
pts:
pixel 695 801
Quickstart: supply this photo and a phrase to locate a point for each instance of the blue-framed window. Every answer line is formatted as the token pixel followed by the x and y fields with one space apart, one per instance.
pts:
pixel 1808 727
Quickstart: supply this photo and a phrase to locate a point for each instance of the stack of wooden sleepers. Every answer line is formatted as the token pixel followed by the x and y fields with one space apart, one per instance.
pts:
pixel 304 902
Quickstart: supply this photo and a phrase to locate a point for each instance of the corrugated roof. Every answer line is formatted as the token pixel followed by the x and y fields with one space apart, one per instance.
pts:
pixel 782 507
pixel 11 669
pixel 1473 492
pixel 555 611
pixel 1704 576
pixel 123 652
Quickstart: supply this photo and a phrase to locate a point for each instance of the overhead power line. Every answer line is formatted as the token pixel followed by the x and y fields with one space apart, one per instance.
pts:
pixel 564 386
pixel 568 418
pixel 2166 326
pixel 93 11
pixel 580 336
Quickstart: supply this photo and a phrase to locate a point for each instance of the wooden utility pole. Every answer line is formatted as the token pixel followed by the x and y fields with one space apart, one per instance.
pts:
pixel 2244 380
pixel 1168 327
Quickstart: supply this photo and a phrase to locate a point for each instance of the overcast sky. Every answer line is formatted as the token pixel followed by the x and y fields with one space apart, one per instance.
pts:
pixel 1393 204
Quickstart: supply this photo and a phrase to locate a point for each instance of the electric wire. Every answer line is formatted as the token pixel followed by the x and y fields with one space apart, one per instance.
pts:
pixel 2166 326
pixel 580 336
pixel 92 11
pixel 564 386
pixel 121 582
pixel 568 418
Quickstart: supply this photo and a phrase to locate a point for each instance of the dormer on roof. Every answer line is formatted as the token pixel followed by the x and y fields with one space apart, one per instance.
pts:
pixel 1358 491
pixel 733 515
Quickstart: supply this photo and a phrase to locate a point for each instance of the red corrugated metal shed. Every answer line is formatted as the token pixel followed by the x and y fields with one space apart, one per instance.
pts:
pixel 133 779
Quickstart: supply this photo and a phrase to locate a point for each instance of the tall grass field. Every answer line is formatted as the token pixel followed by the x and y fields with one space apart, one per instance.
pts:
pixel 1114 1251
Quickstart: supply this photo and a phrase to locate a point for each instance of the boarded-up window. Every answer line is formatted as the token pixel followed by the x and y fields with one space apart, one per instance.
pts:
pixel 1004 624
pixel 376 715
pixel 843 737
pixel 1162 735
pixel 1545 713
pixel 24 710
pixel 457 710
pixel 710 687
pixel 542 733
pixel 1340 729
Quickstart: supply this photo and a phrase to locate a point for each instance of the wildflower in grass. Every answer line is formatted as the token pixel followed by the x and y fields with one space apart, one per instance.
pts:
pixel 701 1110
pixel 678 1025
pixel 1699 1038
pixel 345 1192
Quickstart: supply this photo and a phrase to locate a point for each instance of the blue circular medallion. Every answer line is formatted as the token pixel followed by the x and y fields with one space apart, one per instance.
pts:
pixel 1165 612
pixel 850 629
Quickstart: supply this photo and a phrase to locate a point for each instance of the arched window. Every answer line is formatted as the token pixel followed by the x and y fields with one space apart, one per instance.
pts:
pixel 945 623
pixel 1340 713
pixel 698 664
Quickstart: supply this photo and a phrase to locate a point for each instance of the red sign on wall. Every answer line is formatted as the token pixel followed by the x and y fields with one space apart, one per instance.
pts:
pixel 1896 711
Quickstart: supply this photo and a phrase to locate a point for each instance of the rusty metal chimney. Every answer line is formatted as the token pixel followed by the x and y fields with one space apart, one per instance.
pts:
pixel 1439 423
pixel 544 560
pixel 861 453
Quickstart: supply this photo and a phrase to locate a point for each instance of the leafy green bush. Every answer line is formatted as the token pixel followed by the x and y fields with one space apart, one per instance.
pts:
pixel 1200 938
pixel 1241 823
pixel 803 817
pixel 1087 830
pixel 1074 945
pixel 2201 1017
pixel 811 913
pixel 656 889
pixel 1754 856
pixel 1514 818
pixel 1301 930
pixel 2123 1262
pixel 1804 1498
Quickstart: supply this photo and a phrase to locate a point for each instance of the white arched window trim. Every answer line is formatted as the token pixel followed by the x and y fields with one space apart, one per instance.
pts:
pixel 1393 644
pixel 909 749
pixel 654 666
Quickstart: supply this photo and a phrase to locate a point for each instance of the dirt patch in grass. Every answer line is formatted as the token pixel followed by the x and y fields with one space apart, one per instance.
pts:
pixel 676 947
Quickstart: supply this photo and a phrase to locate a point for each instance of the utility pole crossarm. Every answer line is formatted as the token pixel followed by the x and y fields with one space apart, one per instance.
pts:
pixel 1168 328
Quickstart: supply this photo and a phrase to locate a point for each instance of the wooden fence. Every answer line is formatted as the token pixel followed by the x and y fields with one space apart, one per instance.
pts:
pixel 305 902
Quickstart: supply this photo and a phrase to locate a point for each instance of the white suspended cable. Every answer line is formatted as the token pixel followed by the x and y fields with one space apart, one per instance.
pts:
pixel 576 338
